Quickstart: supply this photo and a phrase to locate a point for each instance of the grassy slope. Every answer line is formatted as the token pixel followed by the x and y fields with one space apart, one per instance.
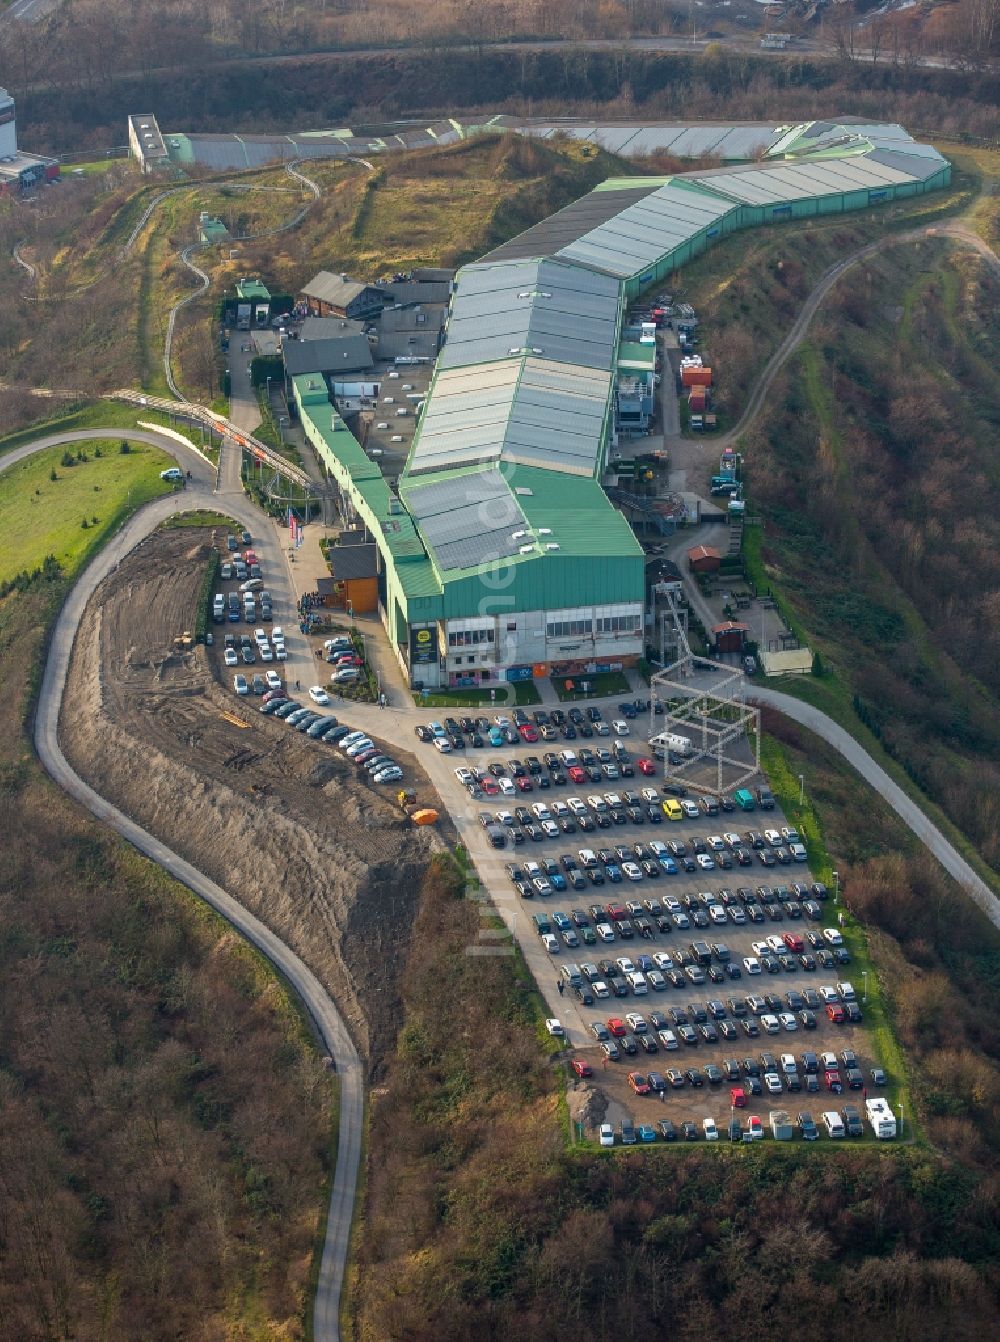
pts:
pixel 933 700
pixel 138 1148
pixel 749 288
pixel 40 516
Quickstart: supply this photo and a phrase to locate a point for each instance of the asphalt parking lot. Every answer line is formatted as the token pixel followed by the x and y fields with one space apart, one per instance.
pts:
pixel 705 1019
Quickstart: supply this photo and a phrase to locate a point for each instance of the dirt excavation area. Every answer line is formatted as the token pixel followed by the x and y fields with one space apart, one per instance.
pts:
pixel 282 822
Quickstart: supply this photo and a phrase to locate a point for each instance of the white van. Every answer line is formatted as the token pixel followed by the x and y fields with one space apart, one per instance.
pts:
pixel 677 745
pixel 833 1123
pixel 881 1117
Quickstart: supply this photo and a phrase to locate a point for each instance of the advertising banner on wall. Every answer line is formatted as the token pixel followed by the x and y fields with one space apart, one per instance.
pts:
pixel 422 647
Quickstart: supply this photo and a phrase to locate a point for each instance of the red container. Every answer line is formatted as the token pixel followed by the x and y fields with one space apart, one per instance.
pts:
pixel 696 377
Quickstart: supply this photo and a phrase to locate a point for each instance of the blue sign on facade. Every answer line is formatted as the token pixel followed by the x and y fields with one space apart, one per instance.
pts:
pixel 519 673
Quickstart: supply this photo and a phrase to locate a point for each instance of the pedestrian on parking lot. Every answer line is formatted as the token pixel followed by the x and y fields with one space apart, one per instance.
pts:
pixel 864 1093
pixel 604 1063
pixel 298 685
pixel 559 985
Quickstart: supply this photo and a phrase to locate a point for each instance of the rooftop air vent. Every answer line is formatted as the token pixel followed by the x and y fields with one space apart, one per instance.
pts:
pixel 545 531
pixel 518 535
pixel 522 489
pixel 526 549
pixel 552 545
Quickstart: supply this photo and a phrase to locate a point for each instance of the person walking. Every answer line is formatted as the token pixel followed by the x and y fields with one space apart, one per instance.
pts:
pixel 561 987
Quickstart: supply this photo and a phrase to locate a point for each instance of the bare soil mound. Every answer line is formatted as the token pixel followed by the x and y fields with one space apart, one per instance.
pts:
pixel 285 824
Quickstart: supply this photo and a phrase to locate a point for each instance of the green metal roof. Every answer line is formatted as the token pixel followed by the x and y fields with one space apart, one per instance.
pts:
pixel 252 289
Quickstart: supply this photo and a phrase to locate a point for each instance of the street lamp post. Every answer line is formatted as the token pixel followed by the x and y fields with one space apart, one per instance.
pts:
pixel 836 886
pixel 864 975
pixel 802 788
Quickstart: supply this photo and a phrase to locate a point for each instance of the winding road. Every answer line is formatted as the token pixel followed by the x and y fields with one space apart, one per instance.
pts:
pixel 953 230
pixel 201 493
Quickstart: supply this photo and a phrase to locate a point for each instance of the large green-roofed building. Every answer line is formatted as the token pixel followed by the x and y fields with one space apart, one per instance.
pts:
pixel 501 555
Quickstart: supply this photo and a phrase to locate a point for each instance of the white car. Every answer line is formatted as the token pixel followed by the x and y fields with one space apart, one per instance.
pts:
pixel 280 655
pixel 656 980
pixel 711 1131
pixel 550 829
pixel 597 803
pixel 240 685
pixel 716 843
pixel 560 810
pixel 576 806
pixel 769 1023
pixel 600 989
pixel 798 852
pixel 612 798
pixel 650 795
pixel 637 982
pixel 358 747
pixel 637 1022
pixel 717 913
pixel 278 634
pixel 606 1134
pixel 632 871
pixel 759 947
pixel 334 644
pixel 751 964
pixel 832 936
pixel 773 836
pixel 705 861
pixel 392 773
pixel 605 931
pixel 658 848
pixel 260 635
pixel 776 944
pixel 625 964
pixel 231 658
pixel 602 729
pixel 273 680
pixel 555 1028
pixel 668 1039
pixel 620 727
pixel 663 961
pixel 550 943
pixel 732 840
pixel 772 1083
pixel 689 808
pixel 540 810
pixel 464 776
pixel 266 655
pixel 788 1021
pixel 442 745
pixel 506 785
pixel 350 738
pixel 318 695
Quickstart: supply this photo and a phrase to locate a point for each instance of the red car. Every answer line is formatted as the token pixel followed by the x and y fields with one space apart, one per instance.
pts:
pixel 528 732
pixel 576 774
pixel 737 1097
pixel 617 1026
pixel 488 786
pixel 618 913
pixel 581 1068
pixel 639 1083
pixel 833 1082
pixel 646 766
pixel 524 784
pixel 794 942
pixel 836 1013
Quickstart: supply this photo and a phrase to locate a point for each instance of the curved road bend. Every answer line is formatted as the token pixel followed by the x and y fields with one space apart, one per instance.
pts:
pixel 319 1004
pixel 851 750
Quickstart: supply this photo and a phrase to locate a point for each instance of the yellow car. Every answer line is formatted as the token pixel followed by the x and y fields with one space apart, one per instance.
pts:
pixel 672 809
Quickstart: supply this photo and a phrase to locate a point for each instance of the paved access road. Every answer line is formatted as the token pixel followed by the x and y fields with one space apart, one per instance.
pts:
pixel 201 493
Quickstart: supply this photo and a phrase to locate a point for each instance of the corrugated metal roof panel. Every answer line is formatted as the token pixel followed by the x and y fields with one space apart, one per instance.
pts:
pixel 910 165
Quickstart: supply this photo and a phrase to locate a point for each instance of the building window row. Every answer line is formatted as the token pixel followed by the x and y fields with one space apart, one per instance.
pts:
pixel 618 624
pixel 469 638
pixel 562 628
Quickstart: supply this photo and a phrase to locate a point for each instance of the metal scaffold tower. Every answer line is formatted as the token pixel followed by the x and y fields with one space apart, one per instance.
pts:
pixel 703 702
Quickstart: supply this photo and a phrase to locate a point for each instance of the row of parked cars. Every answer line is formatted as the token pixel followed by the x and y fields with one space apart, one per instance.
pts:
pixel 516 726
pixel 836 1123
pixel 356 745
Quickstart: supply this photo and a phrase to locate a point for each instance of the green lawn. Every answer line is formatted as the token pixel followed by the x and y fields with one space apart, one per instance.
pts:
pixel 598 686
pixel 524 693
pixel 40 516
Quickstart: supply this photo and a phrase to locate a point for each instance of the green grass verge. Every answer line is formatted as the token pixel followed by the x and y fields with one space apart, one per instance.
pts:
pixel 67 517
pixel 784 782
pixel 599 686
pixel 203 517
pixel 524 693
